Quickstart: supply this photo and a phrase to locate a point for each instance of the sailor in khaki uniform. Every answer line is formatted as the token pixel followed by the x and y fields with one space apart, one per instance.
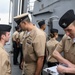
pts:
pixel 21 37
pixel 51 44
pixel 5 68
pixel 16 43
pixel 42 26
pixel 16 34
pixel 33 45
pixel 67 44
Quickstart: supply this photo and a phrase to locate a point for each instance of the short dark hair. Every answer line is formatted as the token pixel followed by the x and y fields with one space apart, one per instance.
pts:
pixel 53 32
pixel 41 23
pixel 2 33
pixel 52 35
pixel 27 20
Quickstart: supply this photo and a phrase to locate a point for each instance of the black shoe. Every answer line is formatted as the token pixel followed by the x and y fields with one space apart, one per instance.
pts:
pixel 16 64
pixel 20 66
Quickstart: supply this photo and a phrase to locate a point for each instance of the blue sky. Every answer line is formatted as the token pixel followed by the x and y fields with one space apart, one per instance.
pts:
pixel 4 11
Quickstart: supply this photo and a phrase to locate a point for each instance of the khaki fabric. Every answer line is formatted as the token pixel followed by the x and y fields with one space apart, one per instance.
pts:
pixel 29 69
pixel 5 67
pixel 33 47
pixel 22 36
pixel 51 44
pixel 45 34
pixel 68 47
pixel 15 35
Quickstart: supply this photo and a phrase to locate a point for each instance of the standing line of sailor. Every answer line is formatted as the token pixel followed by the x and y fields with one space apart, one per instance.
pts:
pixel 34 46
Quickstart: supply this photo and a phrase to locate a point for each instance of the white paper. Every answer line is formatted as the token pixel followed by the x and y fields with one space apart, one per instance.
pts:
pixel 52 70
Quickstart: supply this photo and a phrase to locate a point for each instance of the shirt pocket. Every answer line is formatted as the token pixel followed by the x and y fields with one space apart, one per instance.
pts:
pixel 70 54
pixel 29 46
pixel 67 50
pixel 72 57
pixel 30 56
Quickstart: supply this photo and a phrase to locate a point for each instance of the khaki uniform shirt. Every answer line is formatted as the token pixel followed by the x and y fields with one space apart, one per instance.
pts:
pixel 21 37
pixel 33 47
pixel 51 44
pixel 68 47
pixel 5 68
pixel 15 35
pixel 44 34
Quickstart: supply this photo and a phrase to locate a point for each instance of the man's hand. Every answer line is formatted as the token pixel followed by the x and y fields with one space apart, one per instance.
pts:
pixel 61 69
pixel 22 64
pixel 71 65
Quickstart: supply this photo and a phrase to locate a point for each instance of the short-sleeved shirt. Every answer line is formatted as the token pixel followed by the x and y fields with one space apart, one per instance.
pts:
pixel 34 45
pixel 67 45
pixel 43 32
pixel 15 35
pixel 21 36
pixel 51 44
pixel 5 67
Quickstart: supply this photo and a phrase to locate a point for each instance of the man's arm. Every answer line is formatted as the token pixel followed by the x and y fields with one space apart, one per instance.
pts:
pixel 70 70
pixel 63 69
pixel 39 65
pixel 62 60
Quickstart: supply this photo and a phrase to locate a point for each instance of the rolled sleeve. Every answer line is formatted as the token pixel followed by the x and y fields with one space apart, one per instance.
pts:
pixel 61 44
pixel 59 47
pixel 39 45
